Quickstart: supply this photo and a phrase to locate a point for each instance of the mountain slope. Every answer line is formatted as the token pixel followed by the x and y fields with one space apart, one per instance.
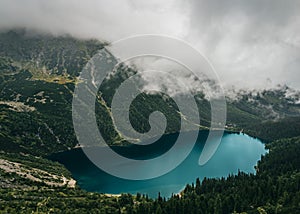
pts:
pixel 38 74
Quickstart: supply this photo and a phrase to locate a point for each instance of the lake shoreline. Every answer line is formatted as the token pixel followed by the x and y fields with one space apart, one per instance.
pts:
pixel 239 148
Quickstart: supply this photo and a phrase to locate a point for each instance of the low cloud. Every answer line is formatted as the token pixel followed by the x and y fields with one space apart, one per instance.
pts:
pixel 252 44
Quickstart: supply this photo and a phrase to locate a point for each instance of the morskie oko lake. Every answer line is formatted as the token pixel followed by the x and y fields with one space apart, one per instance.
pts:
pixel 237 152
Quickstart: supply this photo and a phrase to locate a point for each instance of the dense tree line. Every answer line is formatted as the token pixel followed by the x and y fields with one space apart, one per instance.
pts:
pixel 274 189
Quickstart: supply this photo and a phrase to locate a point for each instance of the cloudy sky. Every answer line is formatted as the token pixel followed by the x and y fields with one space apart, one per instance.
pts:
pixel 252 44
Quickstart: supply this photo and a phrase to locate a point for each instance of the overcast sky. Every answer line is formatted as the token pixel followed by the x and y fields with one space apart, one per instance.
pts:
pixel 252 44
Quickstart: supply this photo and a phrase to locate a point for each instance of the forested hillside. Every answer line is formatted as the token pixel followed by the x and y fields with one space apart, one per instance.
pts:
pixel 38 74
pixel 37 78
pixel 274 189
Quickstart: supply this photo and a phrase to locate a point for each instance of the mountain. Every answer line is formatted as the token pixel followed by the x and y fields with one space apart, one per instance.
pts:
pixel 38 74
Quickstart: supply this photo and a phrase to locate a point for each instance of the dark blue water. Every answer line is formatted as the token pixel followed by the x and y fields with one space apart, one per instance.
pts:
pixel 236 152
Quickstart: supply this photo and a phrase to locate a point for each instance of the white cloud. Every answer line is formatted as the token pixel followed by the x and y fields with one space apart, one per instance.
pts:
pixel 109 20
pixel 252 44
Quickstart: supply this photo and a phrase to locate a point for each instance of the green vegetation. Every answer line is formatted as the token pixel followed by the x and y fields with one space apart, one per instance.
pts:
pixel 38 74
pixel 30 64
pixel 47 54
pixel 274 189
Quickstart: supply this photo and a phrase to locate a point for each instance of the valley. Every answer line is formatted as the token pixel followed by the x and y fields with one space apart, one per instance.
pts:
pixel 37 79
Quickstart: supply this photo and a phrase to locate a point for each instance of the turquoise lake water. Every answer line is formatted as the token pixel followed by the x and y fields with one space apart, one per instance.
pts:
pixel 236 152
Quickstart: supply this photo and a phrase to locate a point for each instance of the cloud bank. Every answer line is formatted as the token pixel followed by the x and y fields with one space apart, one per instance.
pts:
pixel 252 44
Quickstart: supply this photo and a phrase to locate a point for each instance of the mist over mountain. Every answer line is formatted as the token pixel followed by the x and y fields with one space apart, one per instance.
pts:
pixel 252 45
pixel 39 74
pixel 39 71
